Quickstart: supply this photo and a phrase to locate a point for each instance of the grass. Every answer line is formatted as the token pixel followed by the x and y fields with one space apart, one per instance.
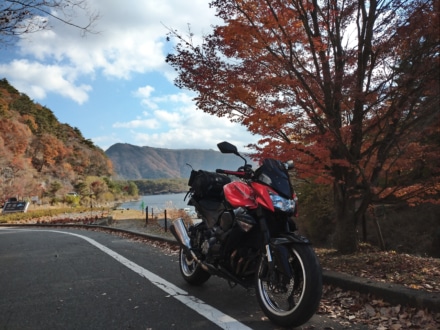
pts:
pixel 39 213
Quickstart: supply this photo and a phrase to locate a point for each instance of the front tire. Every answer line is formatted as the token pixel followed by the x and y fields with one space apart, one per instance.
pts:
pixel 291 302
pixel 191 271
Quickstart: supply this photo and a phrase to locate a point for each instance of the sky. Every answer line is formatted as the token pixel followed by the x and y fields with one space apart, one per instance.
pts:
pixel 114 86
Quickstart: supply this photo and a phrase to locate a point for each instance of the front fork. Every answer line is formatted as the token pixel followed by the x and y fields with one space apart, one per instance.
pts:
pixel 277 249
pixel 277 262
pixel 266 241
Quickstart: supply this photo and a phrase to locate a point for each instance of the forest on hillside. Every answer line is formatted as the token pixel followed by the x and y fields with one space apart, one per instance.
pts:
pixel 45 159
pixel 161 186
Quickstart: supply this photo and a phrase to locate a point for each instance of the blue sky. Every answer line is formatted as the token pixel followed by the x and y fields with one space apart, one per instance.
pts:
pixel 115 86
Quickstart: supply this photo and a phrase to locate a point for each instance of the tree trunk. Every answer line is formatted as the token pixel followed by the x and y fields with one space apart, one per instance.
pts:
pixel 345 234
pixel 378 229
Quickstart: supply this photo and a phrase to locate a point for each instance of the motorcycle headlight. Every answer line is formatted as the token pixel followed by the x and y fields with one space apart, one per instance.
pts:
pixel 281 203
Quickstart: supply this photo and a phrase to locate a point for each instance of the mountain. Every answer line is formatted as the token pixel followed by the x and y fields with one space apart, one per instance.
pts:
pixel 38 154
pixel 133 162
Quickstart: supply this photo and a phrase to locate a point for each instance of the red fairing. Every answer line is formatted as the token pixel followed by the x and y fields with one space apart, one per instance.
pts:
pixel 239 194
pixel 262 195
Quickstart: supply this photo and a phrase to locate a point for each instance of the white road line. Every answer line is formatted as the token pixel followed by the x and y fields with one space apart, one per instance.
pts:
pixel 214 315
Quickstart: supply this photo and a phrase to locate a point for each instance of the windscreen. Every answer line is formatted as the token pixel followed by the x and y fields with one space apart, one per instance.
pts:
pixel 273 174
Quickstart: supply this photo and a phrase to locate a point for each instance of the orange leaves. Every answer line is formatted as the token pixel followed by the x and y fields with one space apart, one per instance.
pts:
pixel 319 45
pixel 30 121
pixel 36 148
pixel 49 149
pixel 311 79
pixel 15 135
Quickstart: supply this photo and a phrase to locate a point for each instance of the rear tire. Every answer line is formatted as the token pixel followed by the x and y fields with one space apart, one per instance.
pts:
pixel 293 303
pixel 191 271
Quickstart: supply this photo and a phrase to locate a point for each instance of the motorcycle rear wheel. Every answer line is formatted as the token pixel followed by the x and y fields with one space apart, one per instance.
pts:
pixel 191 271
pixel 294 303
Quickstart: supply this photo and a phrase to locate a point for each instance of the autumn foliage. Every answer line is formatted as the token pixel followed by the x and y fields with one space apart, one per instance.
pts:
pixel 38 153
pixel 348 89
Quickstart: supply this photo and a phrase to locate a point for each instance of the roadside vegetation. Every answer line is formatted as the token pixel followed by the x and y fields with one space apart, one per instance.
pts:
pixel 38 213
pixel 394 226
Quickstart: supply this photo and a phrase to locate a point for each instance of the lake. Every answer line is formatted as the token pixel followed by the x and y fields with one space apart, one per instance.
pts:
pixel 158 202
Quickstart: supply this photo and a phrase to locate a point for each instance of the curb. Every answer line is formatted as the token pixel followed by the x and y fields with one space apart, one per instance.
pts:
pixel 392 293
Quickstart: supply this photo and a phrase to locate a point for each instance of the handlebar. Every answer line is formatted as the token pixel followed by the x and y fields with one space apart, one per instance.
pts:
pixel 228 172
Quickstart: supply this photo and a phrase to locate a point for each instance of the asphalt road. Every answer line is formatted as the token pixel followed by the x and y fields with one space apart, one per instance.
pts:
pixel 81 279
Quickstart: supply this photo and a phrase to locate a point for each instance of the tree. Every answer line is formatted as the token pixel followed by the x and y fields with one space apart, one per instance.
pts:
pixel 29 16
pixel 346 88
pixel 46 151
pixel 132 189
pixel 14 138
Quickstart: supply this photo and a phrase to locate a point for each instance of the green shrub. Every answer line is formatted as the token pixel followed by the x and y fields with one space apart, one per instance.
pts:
pixel 72 200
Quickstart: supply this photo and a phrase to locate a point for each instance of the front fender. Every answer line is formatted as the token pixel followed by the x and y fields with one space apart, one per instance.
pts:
pixel 280 250
pixel 289 238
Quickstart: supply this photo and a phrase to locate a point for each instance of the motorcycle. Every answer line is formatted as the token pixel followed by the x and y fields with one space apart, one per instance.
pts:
pixel 247 236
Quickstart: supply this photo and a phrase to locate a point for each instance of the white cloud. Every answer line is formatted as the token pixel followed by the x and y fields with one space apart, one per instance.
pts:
pixel 171 118
pixel 138 123
pixel 145 94
pixel 37 80
pixel 196 136
pixel 131 40
pixel 130 43
pixel 183 126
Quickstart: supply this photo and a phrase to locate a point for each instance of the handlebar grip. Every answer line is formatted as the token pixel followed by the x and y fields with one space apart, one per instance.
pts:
pixel 219 170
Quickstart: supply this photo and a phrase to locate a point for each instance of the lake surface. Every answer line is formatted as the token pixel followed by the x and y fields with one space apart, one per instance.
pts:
pixel 158 202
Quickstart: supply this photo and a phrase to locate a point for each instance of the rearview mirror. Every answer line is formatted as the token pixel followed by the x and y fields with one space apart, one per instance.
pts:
pixel 227 148
pixel 289 164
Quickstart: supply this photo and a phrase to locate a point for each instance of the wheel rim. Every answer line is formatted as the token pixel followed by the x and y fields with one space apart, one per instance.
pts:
pixel 284 299
pixel 188 266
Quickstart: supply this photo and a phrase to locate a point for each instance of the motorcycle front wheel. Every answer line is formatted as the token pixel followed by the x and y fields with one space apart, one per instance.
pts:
pixel 191 271
pixel 291 302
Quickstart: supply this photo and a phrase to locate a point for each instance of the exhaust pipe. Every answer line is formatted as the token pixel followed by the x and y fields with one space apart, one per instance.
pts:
pixel 179 232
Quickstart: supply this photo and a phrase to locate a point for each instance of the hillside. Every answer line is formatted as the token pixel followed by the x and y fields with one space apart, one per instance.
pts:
pixel 133 162
pixel 38 154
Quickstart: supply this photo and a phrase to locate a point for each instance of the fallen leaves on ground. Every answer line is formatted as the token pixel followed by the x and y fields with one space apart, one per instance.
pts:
pixel 385 266
pixel 351 308
pixel 391 267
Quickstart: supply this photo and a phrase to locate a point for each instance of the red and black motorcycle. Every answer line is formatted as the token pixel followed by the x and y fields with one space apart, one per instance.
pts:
pixel 247 236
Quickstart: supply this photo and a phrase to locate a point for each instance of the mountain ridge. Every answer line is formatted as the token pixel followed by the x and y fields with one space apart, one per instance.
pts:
pixel 133 162
pixel 39 155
